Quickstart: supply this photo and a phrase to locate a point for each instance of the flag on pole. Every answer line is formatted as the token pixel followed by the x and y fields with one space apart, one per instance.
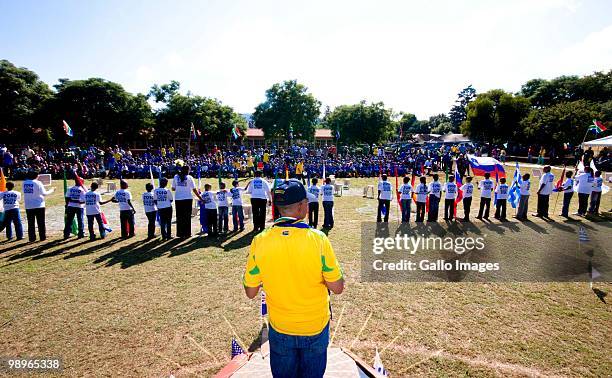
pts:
pixel 194 136
pixel 459 183
pixel 236 348
pixel 323 171
pixel 105 223
pixel 483 164
pixel 514 194
pixel 2 181
pixel 236 133
pixel 67 129
pixel 264 305
pixel 399 202
pixel 597 127
pixel 378 365
pixel 559 185
pixel 496 183
pixel 286 172
pixel 412 182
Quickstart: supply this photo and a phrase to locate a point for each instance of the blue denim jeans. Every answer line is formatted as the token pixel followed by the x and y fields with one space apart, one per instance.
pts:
pixel 12 218
pixel 298 356
pixel 237 217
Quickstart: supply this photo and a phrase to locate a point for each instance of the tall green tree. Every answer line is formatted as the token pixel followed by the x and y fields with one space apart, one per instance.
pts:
pixel 288 112
pixel 361 123
pixel 22 94
pixel 99 111
pixel 566 122
pixel 495 116
pixel 213 120
pixel 458 113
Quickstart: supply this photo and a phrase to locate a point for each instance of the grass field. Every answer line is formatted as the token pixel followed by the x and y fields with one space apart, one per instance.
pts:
pixel 147 308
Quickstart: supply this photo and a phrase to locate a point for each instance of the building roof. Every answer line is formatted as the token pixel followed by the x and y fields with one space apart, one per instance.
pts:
pixel 323 134
pixel 319 133
pixel 254 133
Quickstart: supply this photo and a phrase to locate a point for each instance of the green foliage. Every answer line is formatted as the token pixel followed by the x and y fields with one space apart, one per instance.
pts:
pixel 495 116
pixel 289 111
pixel 545 93
pixel 209 116
pixel 98 111
pixel 22 94
pixel 362 123
pixel 561 123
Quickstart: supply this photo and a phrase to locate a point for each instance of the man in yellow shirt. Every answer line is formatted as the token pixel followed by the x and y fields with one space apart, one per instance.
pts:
pixel 298 268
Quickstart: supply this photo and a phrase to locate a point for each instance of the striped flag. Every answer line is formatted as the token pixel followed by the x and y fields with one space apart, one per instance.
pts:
pixel 236 132
pixel 105 223
pixel 597 127
pixel 67 129
pixel 583 237
pixel 514 194
pixel 459 183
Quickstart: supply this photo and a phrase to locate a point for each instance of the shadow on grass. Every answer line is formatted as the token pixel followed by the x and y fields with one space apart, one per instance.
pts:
pixel 34 251
pixel 137 252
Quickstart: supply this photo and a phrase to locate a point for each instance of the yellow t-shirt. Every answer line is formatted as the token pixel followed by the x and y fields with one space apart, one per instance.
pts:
pixel 292 261
pixel 299 168
pixel 266 157
pixel 250 162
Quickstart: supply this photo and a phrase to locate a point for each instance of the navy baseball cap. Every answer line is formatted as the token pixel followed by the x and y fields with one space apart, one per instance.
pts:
pixel 289 192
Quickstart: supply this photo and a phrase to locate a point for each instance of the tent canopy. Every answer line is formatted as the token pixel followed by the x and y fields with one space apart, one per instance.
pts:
pixel 601 142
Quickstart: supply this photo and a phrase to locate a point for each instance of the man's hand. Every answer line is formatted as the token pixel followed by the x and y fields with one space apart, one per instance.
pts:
pixel 251 292
pixel 336 287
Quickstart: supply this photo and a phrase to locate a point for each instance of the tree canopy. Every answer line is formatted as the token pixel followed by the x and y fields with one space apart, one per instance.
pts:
pixel 288 112
pixel 361 123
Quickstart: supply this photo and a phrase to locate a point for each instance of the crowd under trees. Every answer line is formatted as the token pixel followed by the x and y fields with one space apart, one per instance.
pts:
pixel 544 112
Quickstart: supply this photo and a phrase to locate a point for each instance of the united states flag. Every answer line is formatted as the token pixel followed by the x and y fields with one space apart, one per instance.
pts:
pixel 236 348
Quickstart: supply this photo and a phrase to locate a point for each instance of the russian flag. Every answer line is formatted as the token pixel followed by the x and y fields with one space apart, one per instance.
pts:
pixel 483 164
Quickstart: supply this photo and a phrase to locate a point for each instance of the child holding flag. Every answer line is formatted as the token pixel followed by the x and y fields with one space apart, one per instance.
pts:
pixel 93 211
pixel 384 198
pixel 126 210
pixel 148 202
pixel 486 187
pixel 468 191
pixel 314 193
pixel 568 192
pixel 328 204
pixel 450 193
pixel 435 192
pixel 163 200
pixel 210 208
pixel 405 192
pixel 237 211
pixel 223 209
pixel 75 206
pixel 421 199
pixel 523 205
pixel 501 192
pixel 12 217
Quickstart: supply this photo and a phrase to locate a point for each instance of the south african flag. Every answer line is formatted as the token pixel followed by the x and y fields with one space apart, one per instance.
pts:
pixel 597 127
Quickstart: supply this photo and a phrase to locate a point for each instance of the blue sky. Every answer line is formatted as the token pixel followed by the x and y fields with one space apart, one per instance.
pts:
pixel 412 55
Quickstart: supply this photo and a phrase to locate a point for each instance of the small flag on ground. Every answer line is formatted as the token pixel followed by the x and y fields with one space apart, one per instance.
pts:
pixel 378 365
pixel 67 129
pixel 582 235
pixel 236 348
pixel 264 305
